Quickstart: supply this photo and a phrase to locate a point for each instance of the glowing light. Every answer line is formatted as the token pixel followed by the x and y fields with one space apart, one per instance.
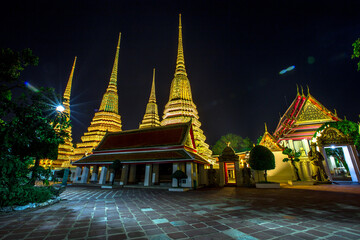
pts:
pixel 332 147
pixel 287 70
pixel 31 87
pixel 60 108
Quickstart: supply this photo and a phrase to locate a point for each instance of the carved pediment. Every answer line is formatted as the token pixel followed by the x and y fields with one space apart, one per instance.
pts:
pixel 333 136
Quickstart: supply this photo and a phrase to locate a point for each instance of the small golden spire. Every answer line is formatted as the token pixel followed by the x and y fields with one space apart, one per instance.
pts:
pixel 67 93
pixel 180 60
pixel 228 144
pixel 114 73
pixel 266 128
pixel 302 91
pixel 335 112
pixel 152 93
pixel 345 118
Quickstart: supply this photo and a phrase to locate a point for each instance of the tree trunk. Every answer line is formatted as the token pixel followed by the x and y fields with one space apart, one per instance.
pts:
pixel 35 172
pixel 265 175
pixel 296 171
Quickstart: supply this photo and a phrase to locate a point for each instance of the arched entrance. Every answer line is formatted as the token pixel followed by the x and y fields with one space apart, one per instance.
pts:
pixel 342 161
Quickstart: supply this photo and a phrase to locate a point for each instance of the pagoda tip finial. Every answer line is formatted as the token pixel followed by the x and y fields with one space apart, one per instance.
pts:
pixel 179 20
pixel 118 45
pixel 266 128
pixel 297 89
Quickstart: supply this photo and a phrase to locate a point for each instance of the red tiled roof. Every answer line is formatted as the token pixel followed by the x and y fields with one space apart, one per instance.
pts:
pixel 140 157
pixel 171 135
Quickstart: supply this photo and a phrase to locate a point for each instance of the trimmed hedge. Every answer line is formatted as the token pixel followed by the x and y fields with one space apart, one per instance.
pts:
pixel 24 194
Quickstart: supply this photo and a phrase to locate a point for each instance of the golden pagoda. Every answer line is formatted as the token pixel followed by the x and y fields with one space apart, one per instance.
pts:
pixel 151 117
pixel 180 107
pixel 107 119
pixel 65 150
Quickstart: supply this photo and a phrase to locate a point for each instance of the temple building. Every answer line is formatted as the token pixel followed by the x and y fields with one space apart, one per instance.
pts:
pixel 151 117
pixel 65 150
pixel 180 107
pixel 107 119
pixel 148 157
pixel 298 125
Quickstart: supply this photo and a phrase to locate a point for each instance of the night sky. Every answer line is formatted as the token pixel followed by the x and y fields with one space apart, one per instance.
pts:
pixel 234 51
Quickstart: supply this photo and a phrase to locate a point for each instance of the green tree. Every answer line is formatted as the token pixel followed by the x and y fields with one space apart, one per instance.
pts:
pixel 261 159
pixel 30 130
pixel 238 143
pixel 338 154
pixel 356 51
pixel 293 157
pixel 178 175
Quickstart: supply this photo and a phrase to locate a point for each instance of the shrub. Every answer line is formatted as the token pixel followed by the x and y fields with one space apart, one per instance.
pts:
pixel 178 174
pixel 261 158
pixel 23 195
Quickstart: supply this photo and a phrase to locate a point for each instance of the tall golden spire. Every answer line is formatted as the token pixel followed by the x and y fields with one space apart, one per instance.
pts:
pixel 180 107
pixel 66 149
pixel 109 102
pixel 151 117
pixel 106 119
pixel 180 60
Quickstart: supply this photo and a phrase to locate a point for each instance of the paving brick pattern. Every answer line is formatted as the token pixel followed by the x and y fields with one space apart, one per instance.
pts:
pixel 309 212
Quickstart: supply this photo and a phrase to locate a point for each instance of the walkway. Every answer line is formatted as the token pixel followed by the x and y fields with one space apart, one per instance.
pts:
pixel 309 212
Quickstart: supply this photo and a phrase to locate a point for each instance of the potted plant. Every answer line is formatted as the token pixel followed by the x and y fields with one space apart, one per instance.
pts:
pixel 293 158
pixel 262 159
pixel 178 174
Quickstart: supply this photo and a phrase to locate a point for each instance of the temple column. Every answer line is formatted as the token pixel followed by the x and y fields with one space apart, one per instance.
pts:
pixel 112 176
pixel 124 175
pixel 103 174
pixel 132 174
pixel 85 174
pixel 221 174
pixel 190 174
pixel 148 175
pixel 203 175
pixel 77 175
pixel 155 174
pixel 174 182
pixel 94 176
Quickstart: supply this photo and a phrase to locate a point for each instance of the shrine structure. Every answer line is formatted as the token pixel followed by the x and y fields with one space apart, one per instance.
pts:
pixel 107 119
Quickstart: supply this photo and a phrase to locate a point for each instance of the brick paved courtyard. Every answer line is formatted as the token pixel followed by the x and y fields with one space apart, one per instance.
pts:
pixel 308 212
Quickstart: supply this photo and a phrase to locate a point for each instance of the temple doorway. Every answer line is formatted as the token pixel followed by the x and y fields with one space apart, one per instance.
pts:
pixel 341 156
pixel 230 173
pixel 165 171
pixel 339 163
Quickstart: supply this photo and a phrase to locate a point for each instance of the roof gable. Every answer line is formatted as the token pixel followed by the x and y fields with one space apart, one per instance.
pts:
pixel 314 112
pixel 270 142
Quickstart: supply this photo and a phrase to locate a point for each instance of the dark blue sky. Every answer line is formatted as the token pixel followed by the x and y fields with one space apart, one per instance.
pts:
pixel 234 51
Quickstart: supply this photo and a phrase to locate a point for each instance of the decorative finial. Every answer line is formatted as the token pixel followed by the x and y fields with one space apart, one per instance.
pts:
pixel 152 94
pixel 345 118
pixel 266 128
pixel 302 91
pixel 308 90
pixel 297 89
pixel 180 21
pixel 67 93
pixel 335 112
pixel 228 144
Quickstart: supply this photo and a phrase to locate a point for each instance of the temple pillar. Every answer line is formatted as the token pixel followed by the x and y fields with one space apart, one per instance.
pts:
pixel 94 176
pixel 85 174
pixel 77 175
pixel 221 174
pixel 124 175
pixel 132 174
pixel 155 174
pixel 103 174
pixel 203 175
pixel 112 176
pixel 190 173
pixel 174 182
pixel 148 175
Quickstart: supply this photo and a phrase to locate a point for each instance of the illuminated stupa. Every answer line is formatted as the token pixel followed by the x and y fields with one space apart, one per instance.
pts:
pixel 65 150
pixel 151 117
pixel 107 119
pixel 180 107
